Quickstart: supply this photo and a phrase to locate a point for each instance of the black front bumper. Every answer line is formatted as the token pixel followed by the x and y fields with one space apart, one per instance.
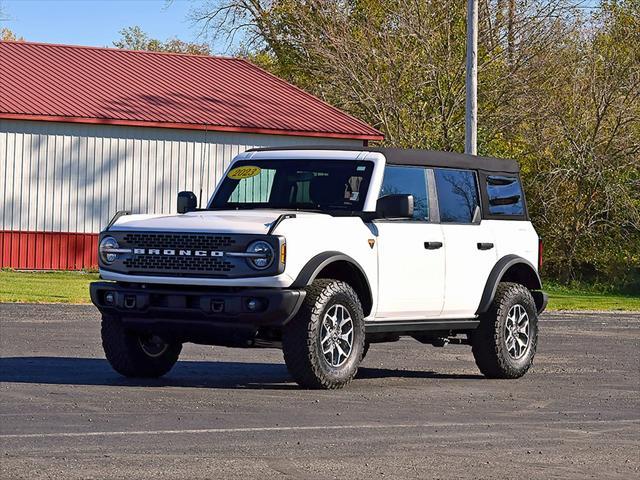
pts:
pixel 217 316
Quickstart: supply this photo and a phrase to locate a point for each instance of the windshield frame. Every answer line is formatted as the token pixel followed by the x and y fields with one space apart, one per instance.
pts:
pixel 364 187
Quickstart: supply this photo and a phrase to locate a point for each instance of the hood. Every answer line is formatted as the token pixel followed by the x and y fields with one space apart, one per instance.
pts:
pixel 224 221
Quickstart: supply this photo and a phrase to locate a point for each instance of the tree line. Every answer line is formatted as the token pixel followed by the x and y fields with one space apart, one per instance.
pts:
pixel 559 90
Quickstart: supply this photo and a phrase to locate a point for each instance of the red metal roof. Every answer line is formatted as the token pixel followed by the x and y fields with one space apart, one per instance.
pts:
pixel 122 87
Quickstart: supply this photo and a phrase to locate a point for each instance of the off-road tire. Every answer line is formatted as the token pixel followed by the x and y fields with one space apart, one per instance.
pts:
pixel 488 340
pixel 301 337
pixel 126 355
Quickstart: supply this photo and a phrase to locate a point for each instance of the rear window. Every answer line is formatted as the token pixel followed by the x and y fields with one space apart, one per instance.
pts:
pixel 505 195
pixel 457 195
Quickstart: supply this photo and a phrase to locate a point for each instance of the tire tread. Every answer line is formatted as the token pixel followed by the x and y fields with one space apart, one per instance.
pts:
pixel 299 336
pixel 487 339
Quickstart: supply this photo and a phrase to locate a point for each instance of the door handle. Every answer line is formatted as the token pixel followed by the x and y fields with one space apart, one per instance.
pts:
pixel 485 246
pixel 432 245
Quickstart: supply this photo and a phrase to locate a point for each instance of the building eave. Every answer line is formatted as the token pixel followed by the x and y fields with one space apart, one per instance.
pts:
pixel 187 126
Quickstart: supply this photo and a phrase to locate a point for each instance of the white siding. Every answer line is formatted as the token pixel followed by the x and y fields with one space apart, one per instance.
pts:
pixel 65 177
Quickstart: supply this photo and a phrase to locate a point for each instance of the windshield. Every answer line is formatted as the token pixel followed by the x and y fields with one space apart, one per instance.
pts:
pixel 325 185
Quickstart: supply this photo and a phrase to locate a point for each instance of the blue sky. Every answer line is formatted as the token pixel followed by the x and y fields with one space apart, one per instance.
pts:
pixel 96 22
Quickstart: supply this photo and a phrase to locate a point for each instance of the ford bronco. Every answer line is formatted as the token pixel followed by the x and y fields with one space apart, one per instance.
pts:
pixel 322 252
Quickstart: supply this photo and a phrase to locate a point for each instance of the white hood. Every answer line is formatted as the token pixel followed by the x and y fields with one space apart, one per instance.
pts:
pixel 225 221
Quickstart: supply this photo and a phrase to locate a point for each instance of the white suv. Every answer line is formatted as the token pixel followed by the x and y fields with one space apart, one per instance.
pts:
pixel 322 252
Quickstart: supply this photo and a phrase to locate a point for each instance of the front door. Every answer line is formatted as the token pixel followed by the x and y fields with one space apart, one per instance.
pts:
pixel 410 252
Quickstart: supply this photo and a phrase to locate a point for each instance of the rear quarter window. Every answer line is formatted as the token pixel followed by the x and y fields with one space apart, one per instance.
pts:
pixel 505 196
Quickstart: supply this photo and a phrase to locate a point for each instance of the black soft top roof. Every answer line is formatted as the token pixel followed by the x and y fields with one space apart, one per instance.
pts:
pixel 424 158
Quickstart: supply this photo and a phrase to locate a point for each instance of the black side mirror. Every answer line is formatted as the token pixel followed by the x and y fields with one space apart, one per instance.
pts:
pixel 395 206
pixel 187 202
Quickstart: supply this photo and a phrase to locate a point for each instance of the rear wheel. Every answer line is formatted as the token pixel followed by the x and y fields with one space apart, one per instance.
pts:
pixel 324 343
pixel 135 355
pixel 505 342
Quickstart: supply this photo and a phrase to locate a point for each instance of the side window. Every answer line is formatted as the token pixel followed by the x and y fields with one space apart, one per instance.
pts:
pixel 255 189
pixel 505 195
pixel 457 195
pixel 408 180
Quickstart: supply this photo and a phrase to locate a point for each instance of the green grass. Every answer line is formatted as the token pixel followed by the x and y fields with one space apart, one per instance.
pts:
pixel 73 287
pixel 45 287
pixel 572 298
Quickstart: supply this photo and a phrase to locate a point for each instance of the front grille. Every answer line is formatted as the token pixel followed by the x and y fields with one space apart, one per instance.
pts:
pixel 179 240
pixel 186 254
pixel 172 263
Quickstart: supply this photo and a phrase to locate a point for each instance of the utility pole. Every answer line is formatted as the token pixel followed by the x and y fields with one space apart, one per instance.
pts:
pixel 471 107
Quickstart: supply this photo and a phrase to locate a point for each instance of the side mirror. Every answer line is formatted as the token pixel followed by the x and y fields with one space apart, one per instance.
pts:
pixel 395 206
pixel 187 202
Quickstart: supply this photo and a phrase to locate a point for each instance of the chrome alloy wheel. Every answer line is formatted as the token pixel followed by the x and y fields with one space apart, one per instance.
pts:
pixel 336 334
pixel 153 345
pixel 516 332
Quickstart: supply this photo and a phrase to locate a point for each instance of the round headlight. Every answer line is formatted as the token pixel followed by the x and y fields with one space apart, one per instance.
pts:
pixel 107 244
pixel 263 255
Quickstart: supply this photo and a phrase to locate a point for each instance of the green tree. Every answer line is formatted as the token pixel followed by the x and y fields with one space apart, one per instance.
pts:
pixel 134 38
pixel 558 90
pixel 583 132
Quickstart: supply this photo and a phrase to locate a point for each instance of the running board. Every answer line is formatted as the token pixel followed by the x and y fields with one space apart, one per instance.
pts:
pixel 420 325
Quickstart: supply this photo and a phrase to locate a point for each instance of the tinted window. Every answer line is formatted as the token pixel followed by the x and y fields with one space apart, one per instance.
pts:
pixel 457 195
pixel 408 180
pixel 505 195
pixel 339 185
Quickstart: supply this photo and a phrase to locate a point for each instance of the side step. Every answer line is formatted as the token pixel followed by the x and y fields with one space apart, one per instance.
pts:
pixel 409 326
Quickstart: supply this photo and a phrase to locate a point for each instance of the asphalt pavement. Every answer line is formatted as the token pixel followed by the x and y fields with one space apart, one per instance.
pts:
pixel 413 411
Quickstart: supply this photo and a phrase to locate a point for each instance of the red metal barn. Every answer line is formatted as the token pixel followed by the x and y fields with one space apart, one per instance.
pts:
pixel 85 132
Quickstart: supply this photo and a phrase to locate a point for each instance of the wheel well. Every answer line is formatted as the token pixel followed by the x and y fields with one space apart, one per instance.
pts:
pixel 523 274
pixel 511 268
pixel 349 273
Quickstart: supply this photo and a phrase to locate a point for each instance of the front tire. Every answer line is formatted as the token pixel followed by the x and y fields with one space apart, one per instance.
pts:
pixel 134 355
pixel 505 342
pixel 323 344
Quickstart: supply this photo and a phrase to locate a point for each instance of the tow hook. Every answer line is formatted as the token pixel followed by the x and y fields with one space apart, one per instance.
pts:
pixel 130 301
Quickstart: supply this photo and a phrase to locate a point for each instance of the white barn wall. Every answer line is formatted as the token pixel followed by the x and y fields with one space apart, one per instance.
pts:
pixel 71 177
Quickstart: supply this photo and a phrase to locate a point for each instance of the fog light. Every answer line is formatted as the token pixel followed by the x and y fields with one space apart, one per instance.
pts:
pixel 109 298
pixel 255 305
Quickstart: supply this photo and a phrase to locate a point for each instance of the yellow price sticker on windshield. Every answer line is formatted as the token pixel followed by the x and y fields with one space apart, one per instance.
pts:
pixel 246 171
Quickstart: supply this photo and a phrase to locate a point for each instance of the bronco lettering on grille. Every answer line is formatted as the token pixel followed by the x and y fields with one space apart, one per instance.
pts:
pixel 174 252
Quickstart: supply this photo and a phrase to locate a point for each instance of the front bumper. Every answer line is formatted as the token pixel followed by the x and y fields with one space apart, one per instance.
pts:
pixel 201 315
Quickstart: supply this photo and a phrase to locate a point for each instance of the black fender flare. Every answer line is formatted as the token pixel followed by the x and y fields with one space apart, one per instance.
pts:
pixel 498 271
pixel 314 266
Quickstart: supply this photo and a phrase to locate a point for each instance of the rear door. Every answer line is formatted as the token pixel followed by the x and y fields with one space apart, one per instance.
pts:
pixel 506 213
pixel 410 251
pixel 469 243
